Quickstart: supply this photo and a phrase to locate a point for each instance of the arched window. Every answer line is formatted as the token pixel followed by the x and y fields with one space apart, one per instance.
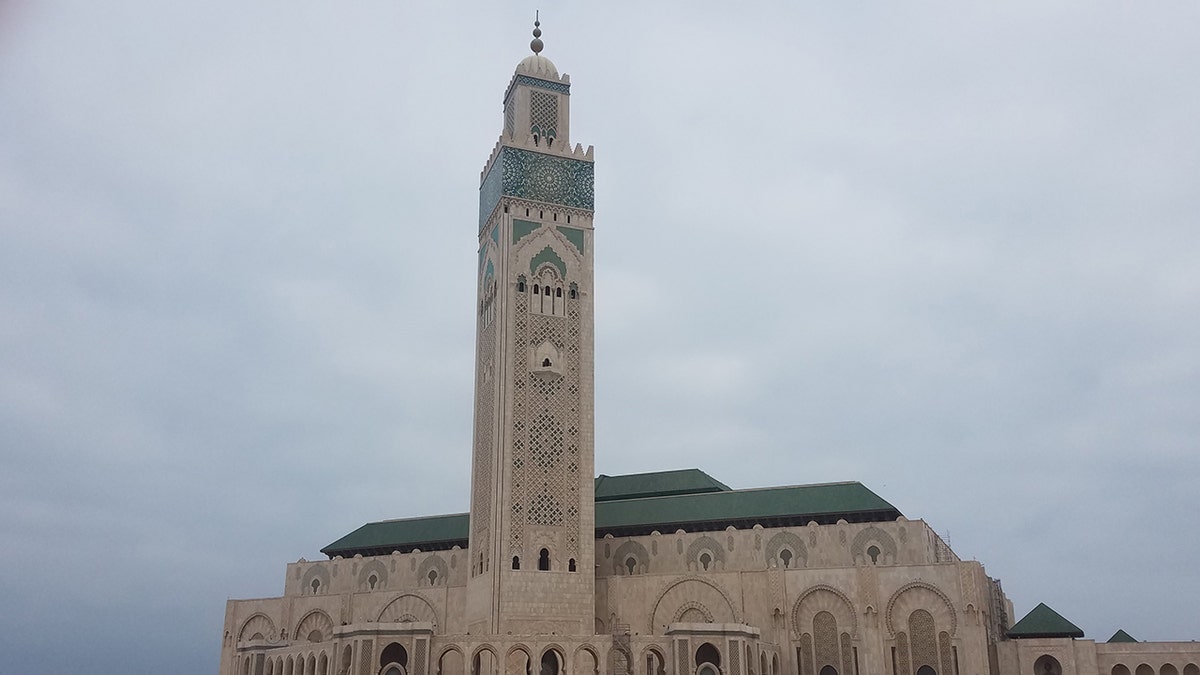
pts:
pixel 544 560
pixel 371 581
pixel 535 289
pixel 786 557
pixel 829 670
pixel 516 562
pixel 926 670
pixel 433 577
pixel 571 565
pixel 630 564
pixel 707 653
pixel 873 553
pixel 558 292
pixel 705 560
pixel 550 664
pixel 394 654
pixel 545 363
pixel 1047 665
pixel 316 586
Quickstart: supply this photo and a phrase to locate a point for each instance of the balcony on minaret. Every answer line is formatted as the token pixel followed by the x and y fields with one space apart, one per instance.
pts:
pixel 546 362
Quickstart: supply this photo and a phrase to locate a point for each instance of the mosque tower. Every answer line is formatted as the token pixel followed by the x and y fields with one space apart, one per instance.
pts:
pixel 532 525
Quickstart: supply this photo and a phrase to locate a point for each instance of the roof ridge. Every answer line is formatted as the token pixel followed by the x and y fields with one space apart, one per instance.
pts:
pixel 401 520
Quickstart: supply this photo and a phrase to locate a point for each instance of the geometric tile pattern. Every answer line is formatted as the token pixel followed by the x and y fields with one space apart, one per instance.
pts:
pixel 537 177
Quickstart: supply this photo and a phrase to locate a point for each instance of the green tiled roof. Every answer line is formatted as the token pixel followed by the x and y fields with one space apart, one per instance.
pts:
pixel 656 484
pixel 621 511
pixel 430 533
pixel 1044 622
pixel 1121 636
pixel 769 507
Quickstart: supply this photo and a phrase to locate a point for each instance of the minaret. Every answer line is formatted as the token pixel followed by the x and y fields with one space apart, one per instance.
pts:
pixel 532 499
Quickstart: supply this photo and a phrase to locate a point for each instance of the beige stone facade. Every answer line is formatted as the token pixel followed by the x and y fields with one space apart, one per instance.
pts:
pixel 531 585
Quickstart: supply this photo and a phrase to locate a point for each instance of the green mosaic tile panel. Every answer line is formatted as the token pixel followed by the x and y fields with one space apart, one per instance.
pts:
pixel 521 228
pixel 573 235
pixel 489 192
pixel 537 177
pixel 536 82
pixel 547 255
pixel 546 178
pixel 496 235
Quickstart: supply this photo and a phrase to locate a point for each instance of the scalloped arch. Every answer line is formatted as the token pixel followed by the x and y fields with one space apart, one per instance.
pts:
pixel 872 534
pixel 683 609
pixel 785 539
pixel 631 548
pixel 697 589
pixel 373 567
pixel 818 598
pixel 921 595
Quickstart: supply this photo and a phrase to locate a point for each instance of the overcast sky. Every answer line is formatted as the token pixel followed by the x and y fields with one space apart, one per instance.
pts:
pixel 948 251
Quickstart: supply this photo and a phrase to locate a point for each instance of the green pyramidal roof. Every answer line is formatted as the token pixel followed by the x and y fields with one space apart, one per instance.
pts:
pixel 1044 622
pixel 656 484
pixel 1121 636
pixel 639 504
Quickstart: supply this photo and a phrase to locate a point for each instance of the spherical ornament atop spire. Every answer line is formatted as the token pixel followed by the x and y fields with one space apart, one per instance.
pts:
pixel 536 44
pixel 535 64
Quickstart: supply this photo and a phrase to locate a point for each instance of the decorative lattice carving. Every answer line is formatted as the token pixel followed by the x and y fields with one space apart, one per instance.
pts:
pixel 781 541
pixel 546 430
pixel 946 654
pixel 418 665
pixel 923 639
pixel 822 598
pixel 920 595
pixel 435 565
pixel 872 535
pixel 375 569
pixel 627 550
pixel 543 113
pixel 485 411
pixel 805 654
pixel 825 641
pixel 847 655
pixel 510 116
pixel 701 546
pixel 903 664
pixel 366 657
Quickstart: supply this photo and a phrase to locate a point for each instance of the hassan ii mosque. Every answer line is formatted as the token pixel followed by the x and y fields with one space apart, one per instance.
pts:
pixel 556 571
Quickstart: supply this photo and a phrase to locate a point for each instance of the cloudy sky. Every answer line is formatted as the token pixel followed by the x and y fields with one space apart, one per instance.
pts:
pixel 948 251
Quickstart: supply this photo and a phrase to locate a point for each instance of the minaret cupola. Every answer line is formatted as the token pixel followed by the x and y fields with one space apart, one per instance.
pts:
pixel 536 104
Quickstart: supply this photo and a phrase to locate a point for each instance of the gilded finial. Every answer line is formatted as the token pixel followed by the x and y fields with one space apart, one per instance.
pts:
pixel 536 45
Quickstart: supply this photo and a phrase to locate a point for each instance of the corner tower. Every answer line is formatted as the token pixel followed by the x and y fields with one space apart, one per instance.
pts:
pixel 532 531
